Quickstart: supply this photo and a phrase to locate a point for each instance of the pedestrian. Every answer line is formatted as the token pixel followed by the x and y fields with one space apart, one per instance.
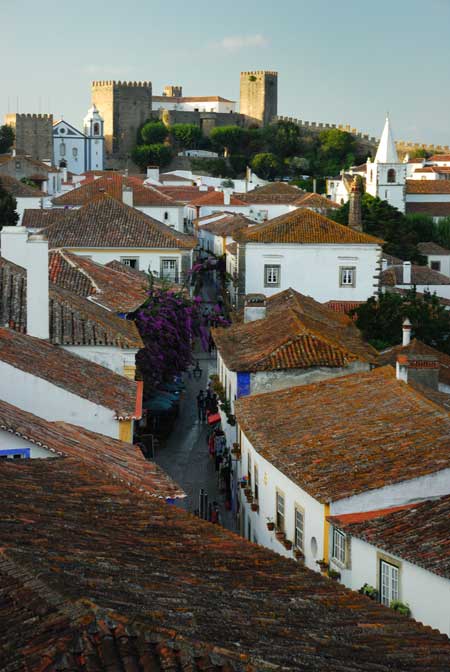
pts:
pixel 214 404
pixel 211 345
pixel 201 406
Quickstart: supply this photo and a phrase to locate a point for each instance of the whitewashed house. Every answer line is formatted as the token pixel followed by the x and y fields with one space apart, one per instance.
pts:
pixel 288 339
pixel 438 257
pixel 129 190
pixel 212 202
pixel 216 231
pixel 400 552
pixel 310 253
pixel 406 276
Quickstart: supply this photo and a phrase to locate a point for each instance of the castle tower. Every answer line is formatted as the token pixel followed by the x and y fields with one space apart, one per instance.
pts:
pixel 386 176
pixel 354 213
pixel 124 107
pixel 33 134
pixel 259 95
pixel 173 91
pixel 93 129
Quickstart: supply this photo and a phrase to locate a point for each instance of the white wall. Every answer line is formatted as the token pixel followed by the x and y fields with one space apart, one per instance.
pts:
pixel 312 269
pixel 439 290
pixel 427 594
pixel 42 398
pixel 26 203
pixel 148 259
pixel 9 441
pixel 110 357
pixel 427 198
pixel 444 260
pixel 193 105
pixel 172 216
pixel 269 480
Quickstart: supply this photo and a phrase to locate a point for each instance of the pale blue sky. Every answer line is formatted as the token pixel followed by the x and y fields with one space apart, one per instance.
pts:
pixel 343 61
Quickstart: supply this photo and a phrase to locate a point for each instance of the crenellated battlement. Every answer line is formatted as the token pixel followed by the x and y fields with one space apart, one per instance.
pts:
pixel 113 83
pixel 273 73
pixel 28 115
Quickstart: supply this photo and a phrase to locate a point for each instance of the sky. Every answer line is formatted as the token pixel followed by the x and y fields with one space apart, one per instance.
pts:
pixel 338 62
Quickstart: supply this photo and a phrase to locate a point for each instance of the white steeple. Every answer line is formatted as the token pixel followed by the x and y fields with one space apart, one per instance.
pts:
pixel 386 152
pixel 93 122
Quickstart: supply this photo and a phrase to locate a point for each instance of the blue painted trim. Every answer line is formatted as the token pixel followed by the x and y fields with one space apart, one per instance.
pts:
pixel 25 452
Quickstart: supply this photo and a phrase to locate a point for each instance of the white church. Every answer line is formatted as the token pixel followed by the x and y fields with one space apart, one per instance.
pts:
pixel 386 175
pixel 76 150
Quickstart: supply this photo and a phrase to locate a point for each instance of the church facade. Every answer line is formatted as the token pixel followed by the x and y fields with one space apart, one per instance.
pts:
pixel 79 151
pixel 386 175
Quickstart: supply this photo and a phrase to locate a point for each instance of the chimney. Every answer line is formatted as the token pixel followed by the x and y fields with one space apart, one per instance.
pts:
pixel 30 252
pixel 153 173
pixel 227 196
pixel 406 329
pixel 127 195
pixel 421 369
pixel 354 213
pixel 406 273
pixel 314 185
pixel 402 368
pixel 254 307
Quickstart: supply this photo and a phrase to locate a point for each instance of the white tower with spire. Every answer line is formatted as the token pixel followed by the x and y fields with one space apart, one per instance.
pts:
pixel 386 175
pixel 93 130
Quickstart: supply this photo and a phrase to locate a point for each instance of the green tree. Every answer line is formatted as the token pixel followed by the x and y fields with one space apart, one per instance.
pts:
pixel 337 149
pixel 419 154
pixel 266 165
pixel 6 138
pixel 186 136
pixel 156 154
pixel 442 232
pixel 298 165
pixel 215 167
pixel 153 132
pixel 28 182
pixel 8 204
pixel 380 319
pixel 283 138
pixel 228 138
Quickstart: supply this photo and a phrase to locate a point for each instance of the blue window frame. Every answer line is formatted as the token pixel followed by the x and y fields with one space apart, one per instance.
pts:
pixel 15 453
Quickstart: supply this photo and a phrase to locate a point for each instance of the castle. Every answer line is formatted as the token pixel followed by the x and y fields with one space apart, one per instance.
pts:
pixel 33 134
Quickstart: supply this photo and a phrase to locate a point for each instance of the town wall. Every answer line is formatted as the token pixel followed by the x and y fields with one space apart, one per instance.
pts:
pixel 33 134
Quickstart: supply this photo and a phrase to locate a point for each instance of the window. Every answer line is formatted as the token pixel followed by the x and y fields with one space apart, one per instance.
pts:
pixel 256 482
pixel 299 527
pixel 391 176
pixel 435 265
pixel 166 216
pixel 96 129
pixel 15 454
pixel 271 276
pixel 169 269
pixel 280 511
pixel 75 152
pixel 62 149
pixel 132 262
pixel 347 276
pixel 339 546
pixel 388 583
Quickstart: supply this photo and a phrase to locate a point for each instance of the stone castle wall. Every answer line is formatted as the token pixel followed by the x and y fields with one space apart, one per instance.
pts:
pixel 204 120
pixel 33 134
pixel 124 106
pixel 259 95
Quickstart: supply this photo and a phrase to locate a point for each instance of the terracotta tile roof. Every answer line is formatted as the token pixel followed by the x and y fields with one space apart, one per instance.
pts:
pixel 39 218
pixel 439 157
pixel 274 192
pixel 228 225
pixel 428 186
pixel 316 202
pixel 122 461
pixel 106 222
pixel 298 333
pixel 304 226
pixel 171 591
pixel 112 183
pixel 392 261
pixel 184 194
pixel 343 306
pixel 430 209
pixel 432 248
pixel 417 348
pixel 420 275
pixel 348 435
pixel 119 292
pixel 418 533
pixel 69 372
pixel 170 177
pixel 216 198
pixel 232 248
pixel 74 320
pixel 142 278
pixel 34 162
pixel 18 189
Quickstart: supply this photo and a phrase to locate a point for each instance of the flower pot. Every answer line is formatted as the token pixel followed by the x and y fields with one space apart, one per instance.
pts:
pixel 298 554
pixel 323 565
pixel 242 484
pixel 247 492
pixel 287 543
pixel 271 527
pixel 279 535
pixel 255 506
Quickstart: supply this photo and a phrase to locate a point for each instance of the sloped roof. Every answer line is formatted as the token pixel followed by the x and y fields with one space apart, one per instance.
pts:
pixel 228 225
pixel 428 187
pixel 420 275
pixel 117 291
pixel 418 533
pixel 304 226
pixel 432 248
pixel 185 194
pixel 122 461
pixel 348 435
pixel 110 580
pixel 298 333
pixel 386 152
pixel 316 202
pixel 39 218
pixel 112 183
pixel 106 222
pixel 216 198
pixel 432 209
pixel 416 347
pixel 18 189
pixel 74 320
pixel 40 165
pixel 69 372
pixel 272 193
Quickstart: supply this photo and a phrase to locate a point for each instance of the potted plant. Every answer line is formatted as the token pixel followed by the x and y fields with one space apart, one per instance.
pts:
pixel 334 574
pixel 401 607
pixel 370 591
pixel 255 506
pixel 287 543
pixel 323 564
pixel 280 535
pixel 270 524
pixel 298 554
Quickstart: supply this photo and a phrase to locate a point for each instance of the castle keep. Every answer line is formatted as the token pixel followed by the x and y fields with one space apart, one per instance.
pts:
pixel 259 95
pixel 124 106
pixel 33 134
